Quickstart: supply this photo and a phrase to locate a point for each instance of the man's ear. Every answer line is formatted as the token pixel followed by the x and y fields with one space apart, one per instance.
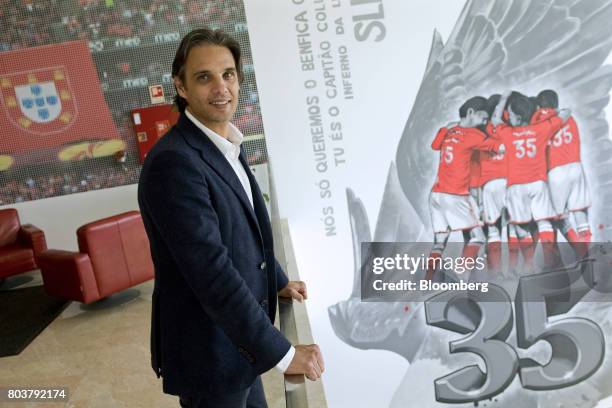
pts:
pixel 180 88
pixel 470 112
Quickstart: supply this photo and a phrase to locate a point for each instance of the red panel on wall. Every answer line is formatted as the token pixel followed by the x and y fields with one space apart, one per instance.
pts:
pixel 150 124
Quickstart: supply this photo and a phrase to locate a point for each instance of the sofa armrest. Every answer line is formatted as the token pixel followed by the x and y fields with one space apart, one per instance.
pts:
pixel 68 275
pixel 33 237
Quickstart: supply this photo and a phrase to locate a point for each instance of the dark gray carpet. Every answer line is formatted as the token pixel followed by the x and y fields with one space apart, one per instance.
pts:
pixel 24 314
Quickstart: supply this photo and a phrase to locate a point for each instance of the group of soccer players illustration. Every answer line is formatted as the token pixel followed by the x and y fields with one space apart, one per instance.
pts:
pixel 512 161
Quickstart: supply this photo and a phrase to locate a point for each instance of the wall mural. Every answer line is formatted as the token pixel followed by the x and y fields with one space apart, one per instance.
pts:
pixel 71 72
pixel 535 71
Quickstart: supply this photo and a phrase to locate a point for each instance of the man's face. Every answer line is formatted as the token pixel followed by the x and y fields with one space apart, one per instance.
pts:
pixel 477 118
pixel 210 86
pixel 513 118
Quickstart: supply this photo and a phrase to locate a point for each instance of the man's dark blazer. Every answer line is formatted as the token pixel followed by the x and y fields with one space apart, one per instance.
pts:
pixel 216 278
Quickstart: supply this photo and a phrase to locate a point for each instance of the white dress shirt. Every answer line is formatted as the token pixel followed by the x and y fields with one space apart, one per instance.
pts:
pixel 230 149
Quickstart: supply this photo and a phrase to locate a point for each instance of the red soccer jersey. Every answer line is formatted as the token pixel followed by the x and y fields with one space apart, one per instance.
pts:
pixel 526 149
pixel 542 114
pixel 475 181
pixel 492 165
pixel 455 155
pixel 564 147
pixel 437 142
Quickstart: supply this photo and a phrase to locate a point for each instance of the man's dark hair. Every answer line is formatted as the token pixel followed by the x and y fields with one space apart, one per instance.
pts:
pixel 492 103
pixel 521 105
pixel 476 103
pixel 548 99
pixel 198 37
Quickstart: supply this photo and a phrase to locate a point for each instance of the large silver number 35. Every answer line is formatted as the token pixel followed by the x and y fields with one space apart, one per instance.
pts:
pixel 577 343
pixel 453 311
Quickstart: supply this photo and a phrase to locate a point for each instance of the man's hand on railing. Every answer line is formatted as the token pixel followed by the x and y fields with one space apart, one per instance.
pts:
pixel 308 361
pixel 295 290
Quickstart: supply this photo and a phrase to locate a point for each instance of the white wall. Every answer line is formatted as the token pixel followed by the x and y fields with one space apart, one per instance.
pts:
pixel 59 217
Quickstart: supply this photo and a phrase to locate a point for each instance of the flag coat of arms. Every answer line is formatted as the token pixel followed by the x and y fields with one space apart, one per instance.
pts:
pixel 39 102
pixel 51 99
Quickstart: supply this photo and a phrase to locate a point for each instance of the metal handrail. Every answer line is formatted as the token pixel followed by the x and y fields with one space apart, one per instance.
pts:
pixel 298 392
pixel 295 385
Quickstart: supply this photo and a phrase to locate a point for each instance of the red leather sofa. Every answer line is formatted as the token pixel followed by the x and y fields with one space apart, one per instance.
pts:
pixel 113 255
pixel 19 244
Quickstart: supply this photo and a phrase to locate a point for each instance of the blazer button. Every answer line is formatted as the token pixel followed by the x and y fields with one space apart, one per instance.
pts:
pixel 263 265
pixel 263 304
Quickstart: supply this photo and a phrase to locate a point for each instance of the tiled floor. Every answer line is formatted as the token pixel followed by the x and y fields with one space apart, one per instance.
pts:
pixel 101 354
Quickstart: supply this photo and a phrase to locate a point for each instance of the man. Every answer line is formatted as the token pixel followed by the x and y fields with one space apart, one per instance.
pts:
pixel 476 181
pixel 493 178
pixel 527 197
pixel 216 278
pixel 451 205
pixel 566 178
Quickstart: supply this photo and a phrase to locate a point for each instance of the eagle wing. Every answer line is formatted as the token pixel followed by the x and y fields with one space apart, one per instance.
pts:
pixel 525 45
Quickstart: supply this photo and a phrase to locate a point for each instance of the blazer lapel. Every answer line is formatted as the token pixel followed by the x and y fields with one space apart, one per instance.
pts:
pixel 258 200
pixel 211 155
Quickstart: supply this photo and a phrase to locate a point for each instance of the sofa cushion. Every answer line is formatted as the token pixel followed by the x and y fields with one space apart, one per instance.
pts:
pixel 15 259
pixel 119 251
pixel 9 226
